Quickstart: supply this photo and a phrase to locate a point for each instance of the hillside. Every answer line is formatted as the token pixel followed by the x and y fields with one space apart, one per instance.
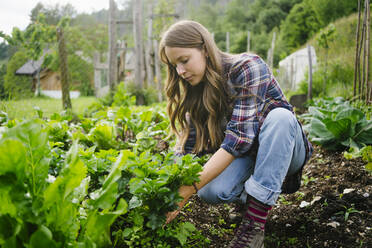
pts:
pixel 340 58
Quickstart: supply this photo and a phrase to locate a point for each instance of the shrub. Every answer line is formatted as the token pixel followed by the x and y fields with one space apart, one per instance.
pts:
pixel 81 73
pixel 300 24
pixel 144 96
pixel 122 97
pixel 17 86
pixel 3 93
pixel 340 78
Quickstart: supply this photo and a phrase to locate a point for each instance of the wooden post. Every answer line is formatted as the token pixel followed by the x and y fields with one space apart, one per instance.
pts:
pixel 361 44
pixel 271 61
pixel 112 57
pixel 97 73
pixel 367 46
pixel 66 101
pixel 38 85
pixel 291 77
pixel 121 63
pixel 158 71
pixel 357 60
pixel 362 88
pixel 227 42
pixel 310 82
pixel 248 41
pixel 101 88
pixel 137 30
pixel 268 56
pixel 149 50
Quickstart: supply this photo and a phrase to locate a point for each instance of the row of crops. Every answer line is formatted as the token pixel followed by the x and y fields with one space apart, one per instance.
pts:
pixel 104 180
pixel 108 178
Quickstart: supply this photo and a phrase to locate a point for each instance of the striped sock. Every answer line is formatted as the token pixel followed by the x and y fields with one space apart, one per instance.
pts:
pixel 257 212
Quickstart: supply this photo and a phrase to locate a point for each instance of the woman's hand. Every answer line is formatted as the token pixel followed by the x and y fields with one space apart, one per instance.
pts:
pixel 185 192
pixel 215 165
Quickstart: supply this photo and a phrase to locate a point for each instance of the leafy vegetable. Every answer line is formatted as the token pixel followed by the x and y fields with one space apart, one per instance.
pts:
pixel 93 182
pixel 336 125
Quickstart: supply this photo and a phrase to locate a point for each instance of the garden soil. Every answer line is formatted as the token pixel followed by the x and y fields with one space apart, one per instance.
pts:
pixel 333 208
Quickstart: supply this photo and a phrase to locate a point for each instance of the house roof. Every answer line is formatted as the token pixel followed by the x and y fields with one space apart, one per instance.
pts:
pixel 30 67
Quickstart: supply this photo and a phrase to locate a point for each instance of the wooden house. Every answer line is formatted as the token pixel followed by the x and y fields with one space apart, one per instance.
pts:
pixel 50 81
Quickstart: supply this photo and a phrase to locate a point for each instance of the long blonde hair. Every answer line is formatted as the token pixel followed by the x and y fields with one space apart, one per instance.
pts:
pixel 207 103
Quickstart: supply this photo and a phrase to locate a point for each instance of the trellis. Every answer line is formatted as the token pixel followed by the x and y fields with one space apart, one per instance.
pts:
pixel 362 89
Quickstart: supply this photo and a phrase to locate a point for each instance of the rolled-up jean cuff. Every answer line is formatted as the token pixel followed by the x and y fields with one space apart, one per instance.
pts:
pixel 261 193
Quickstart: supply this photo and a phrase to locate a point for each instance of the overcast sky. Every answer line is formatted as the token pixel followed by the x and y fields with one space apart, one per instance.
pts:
pixel 16 13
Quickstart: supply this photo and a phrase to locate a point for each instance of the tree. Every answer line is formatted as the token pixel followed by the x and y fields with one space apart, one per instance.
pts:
pixel 36 11
pixel 66 101
pixel 328 11
pixel 3 93
pixel 17 86
pixel 300 25
pixel 34 40
pixel 137 30
pixel 257 16
pixel 78 49
pixel 270 18
pixel 81 75
pixel 4 50
pixel 53 13
pixel 286 5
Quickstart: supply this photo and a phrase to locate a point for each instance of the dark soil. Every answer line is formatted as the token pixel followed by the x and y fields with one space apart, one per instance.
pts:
pixel 339 212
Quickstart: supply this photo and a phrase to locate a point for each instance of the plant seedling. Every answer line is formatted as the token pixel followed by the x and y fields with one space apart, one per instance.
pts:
pixel 348 211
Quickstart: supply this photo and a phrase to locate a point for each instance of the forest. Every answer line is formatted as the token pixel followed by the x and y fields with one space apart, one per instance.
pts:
pixel 100 169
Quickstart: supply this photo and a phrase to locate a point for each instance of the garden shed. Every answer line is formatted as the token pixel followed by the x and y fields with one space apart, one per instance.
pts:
pixel 50 81
pixel 293 68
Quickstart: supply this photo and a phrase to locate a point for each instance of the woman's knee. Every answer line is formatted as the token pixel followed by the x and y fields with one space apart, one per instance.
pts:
pixel 213 194
pixel 230 183
pixel 280 118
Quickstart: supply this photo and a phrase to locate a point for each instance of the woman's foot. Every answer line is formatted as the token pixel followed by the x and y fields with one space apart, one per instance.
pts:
pixel 250 233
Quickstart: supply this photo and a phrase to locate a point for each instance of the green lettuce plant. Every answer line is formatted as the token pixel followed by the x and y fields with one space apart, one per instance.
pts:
pixel 336 125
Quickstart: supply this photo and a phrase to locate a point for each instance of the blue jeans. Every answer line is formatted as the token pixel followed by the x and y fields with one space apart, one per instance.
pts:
pixel 281 151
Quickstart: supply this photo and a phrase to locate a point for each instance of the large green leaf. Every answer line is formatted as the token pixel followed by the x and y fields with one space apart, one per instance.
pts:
pixel 146 116
pixel 364 132
pixel 8 228
pixel 68 181
pixel 34 138
pixel 13 158
pixel 62 197
pixel 350 113
pixel 104 197
pixel 42 238
pixel 103 135
pixel 98 225
pixel 184 232
pixel 7 206
pixel 319 130
pixel 341 129
pixel 316 113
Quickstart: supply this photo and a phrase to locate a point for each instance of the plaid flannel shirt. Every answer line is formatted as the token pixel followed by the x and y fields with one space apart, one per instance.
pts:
pixel 256 93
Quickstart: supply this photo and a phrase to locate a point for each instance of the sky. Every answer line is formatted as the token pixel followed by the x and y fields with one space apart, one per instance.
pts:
pixel 16 13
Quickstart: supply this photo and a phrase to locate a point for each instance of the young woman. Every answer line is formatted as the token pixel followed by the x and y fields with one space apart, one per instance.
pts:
pixel 232 106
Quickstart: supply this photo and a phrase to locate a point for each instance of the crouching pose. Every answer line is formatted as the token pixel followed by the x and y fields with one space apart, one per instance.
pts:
pixel 232 106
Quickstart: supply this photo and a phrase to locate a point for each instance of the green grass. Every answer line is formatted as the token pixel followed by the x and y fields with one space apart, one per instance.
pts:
pixel 341 59
pixel 24 109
